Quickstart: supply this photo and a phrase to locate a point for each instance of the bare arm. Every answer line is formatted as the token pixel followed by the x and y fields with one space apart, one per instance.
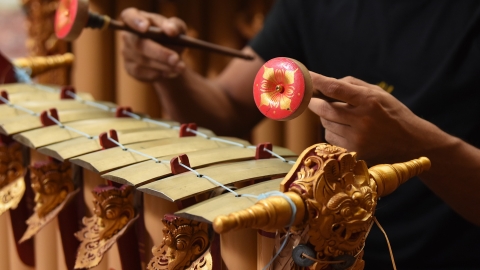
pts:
pixel 382 130
pixel 224 105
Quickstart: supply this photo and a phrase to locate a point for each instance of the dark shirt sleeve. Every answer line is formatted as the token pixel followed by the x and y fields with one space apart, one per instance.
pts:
pixel 279 36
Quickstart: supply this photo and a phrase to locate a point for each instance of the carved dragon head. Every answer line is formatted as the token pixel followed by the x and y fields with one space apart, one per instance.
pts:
pixel 114 208
pixel 184 243
pixel 51 182
pixel 11 163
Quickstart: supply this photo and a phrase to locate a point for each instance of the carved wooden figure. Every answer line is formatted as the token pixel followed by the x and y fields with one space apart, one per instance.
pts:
pixel 52 183
pixel 185 245
pixel 113 214
pixel 114 208
pixel 335 198
pixel 12 185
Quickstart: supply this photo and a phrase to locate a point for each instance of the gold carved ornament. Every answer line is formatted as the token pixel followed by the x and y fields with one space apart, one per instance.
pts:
pixel 113 207
pixel 51 182
pixel 185 245
pixel 335 197
pixel 36 65
pixel 114 212
pixel 53 186
pixel 12 184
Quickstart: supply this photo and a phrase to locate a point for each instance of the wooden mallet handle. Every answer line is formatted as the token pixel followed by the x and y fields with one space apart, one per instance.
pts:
pixel 73 15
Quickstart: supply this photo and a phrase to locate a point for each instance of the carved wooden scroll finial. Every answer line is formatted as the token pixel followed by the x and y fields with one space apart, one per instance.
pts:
pixel 185 245
pixel 335 196
pixel 40 64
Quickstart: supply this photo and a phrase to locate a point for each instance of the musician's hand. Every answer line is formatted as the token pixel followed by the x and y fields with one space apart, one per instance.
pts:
pixel 371 122
pixel 145 59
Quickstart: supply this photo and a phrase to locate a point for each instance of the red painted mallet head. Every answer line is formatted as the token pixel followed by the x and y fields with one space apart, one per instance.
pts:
pixel 282 88
pixel 70 18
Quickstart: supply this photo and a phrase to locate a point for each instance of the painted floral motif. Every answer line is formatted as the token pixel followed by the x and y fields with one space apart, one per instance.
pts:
pixel 277 88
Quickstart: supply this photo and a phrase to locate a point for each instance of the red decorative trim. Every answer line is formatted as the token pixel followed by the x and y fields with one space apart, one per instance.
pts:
pixel 185 133
pixel 121 111
pixel 105 142
pixel 260 152
pixel 4 94
pixel 63 92
pixel 46 121
pixel 175 167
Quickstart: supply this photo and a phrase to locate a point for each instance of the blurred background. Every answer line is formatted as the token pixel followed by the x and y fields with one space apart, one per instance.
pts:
pixel 13 33
pixel 26 29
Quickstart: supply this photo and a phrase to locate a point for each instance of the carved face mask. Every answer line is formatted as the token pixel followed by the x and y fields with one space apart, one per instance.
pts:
pixel 51 183
pixel 185 241
pixel 10 163
pixel 114 207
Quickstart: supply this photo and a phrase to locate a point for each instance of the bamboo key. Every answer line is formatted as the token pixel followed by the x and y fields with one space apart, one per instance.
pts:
pixel 73 15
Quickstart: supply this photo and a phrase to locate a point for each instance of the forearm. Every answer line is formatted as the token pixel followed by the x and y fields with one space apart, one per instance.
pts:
pixel 224 104
pixel 455 172
pixel 381 129
pixel 192 98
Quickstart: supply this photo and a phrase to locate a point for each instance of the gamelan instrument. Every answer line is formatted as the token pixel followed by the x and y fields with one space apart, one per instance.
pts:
pixel 176 196
pixel 73 15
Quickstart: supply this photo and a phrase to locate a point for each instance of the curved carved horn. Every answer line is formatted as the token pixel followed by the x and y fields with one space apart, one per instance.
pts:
pixel 390 176
pixel 268 214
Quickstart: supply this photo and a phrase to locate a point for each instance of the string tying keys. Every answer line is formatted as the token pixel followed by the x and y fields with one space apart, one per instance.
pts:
pixel 47 115
pixel 188 130
pixel 105 142
pixel 175 166
pixel 261 153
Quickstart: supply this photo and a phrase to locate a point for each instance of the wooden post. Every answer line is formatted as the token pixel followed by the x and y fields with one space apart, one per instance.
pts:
pixel 94 65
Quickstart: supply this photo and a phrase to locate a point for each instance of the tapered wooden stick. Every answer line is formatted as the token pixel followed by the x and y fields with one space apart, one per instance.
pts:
pixel 72 16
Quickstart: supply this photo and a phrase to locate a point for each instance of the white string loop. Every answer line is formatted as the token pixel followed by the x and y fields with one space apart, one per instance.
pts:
pixel 9 104
pixel 137 152
pixel 70 128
